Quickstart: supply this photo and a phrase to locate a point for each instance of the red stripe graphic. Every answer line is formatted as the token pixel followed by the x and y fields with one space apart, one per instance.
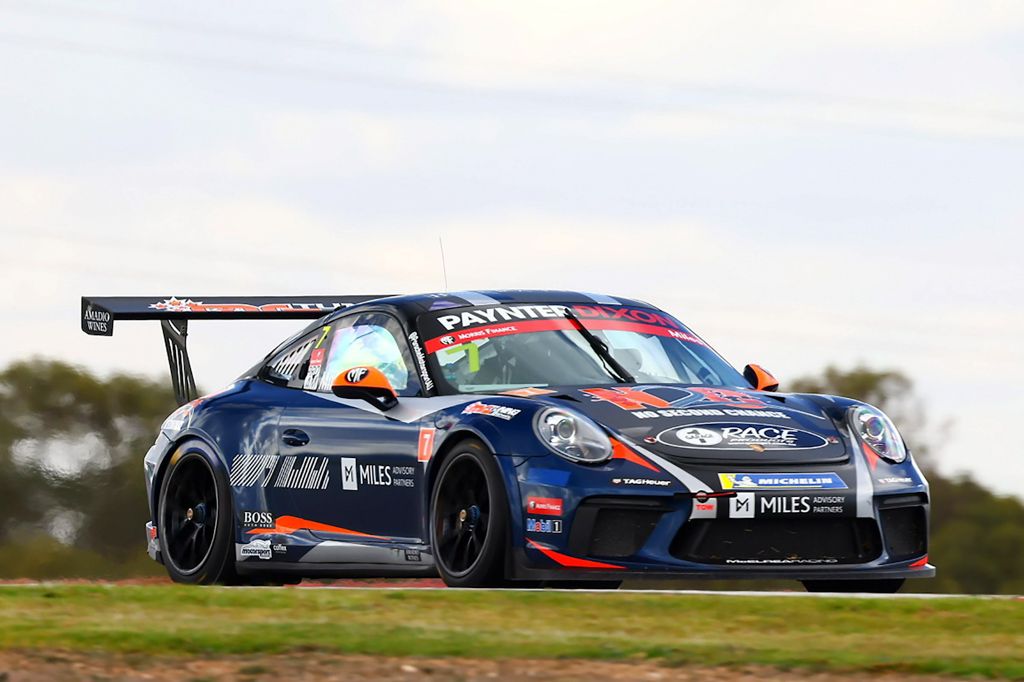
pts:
pixel 570 561
pixel 622 451
pixel 532 326
pixel 286 525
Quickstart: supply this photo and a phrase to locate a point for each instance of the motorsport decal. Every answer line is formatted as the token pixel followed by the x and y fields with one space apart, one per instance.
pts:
pixel 293 471
pixel 316 362
pixel 781 481
pixel 543 525
pixel 354 474
pixel 724 436
pixel 96 320
pixel 641 481
pixel 499 411
pixel 895 480
pixel 490 321
pixel 421 361
pixel 655 401
pixel 749 505
pixel 257 548
pixel 706 508
pixel 425 445
pixel 187 305
pixel 549 506
pixel 782 562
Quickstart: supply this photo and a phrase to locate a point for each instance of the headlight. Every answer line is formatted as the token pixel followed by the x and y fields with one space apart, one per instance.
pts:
pixel 878 432
pixel 572 436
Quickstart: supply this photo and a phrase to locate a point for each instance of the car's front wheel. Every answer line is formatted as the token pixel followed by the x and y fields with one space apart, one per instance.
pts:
pixel 194 518
pixel 886 586
pixel 469 518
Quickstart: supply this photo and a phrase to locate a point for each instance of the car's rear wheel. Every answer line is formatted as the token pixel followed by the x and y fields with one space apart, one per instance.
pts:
pixel 194 518
pixel 886 586
pixel 469 518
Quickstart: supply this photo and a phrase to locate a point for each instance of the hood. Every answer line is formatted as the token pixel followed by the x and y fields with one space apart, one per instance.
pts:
pixel 703 423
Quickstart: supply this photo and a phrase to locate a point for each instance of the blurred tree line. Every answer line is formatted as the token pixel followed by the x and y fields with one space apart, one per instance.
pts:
pixel 73 504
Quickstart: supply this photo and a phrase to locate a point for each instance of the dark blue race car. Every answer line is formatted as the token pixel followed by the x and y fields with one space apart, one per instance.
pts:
pixel 514 438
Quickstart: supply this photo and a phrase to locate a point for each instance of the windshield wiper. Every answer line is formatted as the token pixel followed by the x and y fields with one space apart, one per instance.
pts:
pixel 617 371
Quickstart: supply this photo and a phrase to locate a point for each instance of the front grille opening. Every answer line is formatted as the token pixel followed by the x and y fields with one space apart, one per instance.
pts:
pixel 620 533
pixel 811 540
pixel 905 531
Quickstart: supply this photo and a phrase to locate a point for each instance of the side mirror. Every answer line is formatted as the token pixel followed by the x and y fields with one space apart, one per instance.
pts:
pixel 760 378
pixel 366 383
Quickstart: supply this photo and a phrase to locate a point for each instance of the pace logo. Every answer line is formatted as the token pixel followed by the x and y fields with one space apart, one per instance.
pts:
pixel 356 374
pixel 725 436
pixel 447 340
pixel 698 436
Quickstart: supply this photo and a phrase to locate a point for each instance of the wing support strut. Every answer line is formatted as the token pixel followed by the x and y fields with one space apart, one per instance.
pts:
pixel 175 337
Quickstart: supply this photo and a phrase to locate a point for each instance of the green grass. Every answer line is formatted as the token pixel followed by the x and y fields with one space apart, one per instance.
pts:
pixel 952 636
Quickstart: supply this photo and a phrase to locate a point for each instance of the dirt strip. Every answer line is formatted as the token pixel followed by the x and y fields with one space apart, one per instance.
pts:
pixel 37 666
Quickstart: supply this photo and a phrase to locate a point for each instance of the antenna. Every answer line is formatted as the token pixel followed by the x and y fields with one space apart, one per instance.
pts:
pixel 444 267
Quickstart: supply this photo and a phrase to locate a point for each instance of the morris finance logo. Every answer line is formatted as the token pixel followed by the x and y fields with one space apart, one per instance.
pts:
pixel 356 374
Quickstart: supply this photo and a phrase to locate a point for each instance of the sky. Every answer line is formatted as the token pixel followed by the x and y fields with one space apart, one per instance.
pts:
pixel 802 183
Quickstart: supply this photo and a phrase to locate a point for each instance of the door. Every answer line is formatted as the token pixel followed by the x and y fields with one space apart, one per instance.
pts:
pixel 373 489
pixel 256 467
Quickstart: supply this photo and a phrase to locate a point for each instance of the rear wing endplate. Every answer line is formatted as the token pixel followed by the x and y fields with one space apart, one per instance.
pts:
pixel 99 314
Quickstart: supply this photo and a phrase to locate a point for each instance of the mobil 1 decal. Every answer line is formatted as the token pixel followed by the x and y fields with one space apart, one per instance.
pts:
pixel 453 328
pixel 740 436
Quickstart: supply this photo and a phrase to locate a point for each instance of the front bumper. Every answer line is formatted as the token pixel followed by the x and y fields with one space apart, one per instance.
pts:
pixel 613 531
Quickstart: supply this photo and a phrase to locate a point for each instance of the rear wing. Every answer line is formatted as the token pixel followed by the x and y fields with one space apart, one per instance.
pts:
pixel 99 314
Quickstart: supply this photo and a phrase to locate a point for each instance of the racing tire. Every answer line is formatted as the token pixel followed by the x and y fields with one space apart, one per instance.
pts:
pixel 195 519
pixel 884 586
pixel 469 518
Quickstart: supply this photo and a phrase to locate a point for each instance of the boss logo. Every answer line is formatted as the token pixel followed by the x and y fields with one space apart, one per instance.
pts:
pixel 261 519
pixel 355 375
pixel 447 340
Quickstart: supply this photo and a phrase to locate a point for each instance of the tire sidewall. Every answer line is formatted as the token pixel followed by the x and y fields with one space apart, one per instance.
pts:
pixel 490 565
pixel 218 566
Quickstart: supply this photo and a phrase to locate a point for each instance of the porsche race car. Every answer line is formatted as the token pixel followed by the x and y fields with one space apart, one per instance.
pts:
pixel 504 438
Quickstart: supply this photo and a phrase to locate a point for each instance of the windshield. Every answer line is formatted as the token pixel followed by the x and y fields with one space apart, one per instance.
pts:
pixel 499 348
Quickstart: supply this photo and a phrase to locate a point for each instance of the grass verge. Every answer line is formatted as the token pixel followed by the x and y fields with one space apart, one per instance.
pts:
pixel 954 636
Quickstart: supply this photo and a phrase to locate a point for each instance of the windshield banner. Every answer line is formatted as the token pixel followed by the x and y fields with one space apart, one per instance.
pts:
pixel 472 324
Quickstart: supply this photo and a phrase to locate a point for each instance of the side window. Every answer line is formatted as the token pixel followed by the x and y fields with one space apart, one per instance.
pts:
pixel 289 365
pixel 370 339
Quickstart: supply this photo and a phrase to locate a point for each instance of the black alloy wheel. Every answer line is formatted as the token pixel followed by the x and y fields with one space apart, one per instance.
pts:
pixel 883 586
pixel 469 518
pixel 194 520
